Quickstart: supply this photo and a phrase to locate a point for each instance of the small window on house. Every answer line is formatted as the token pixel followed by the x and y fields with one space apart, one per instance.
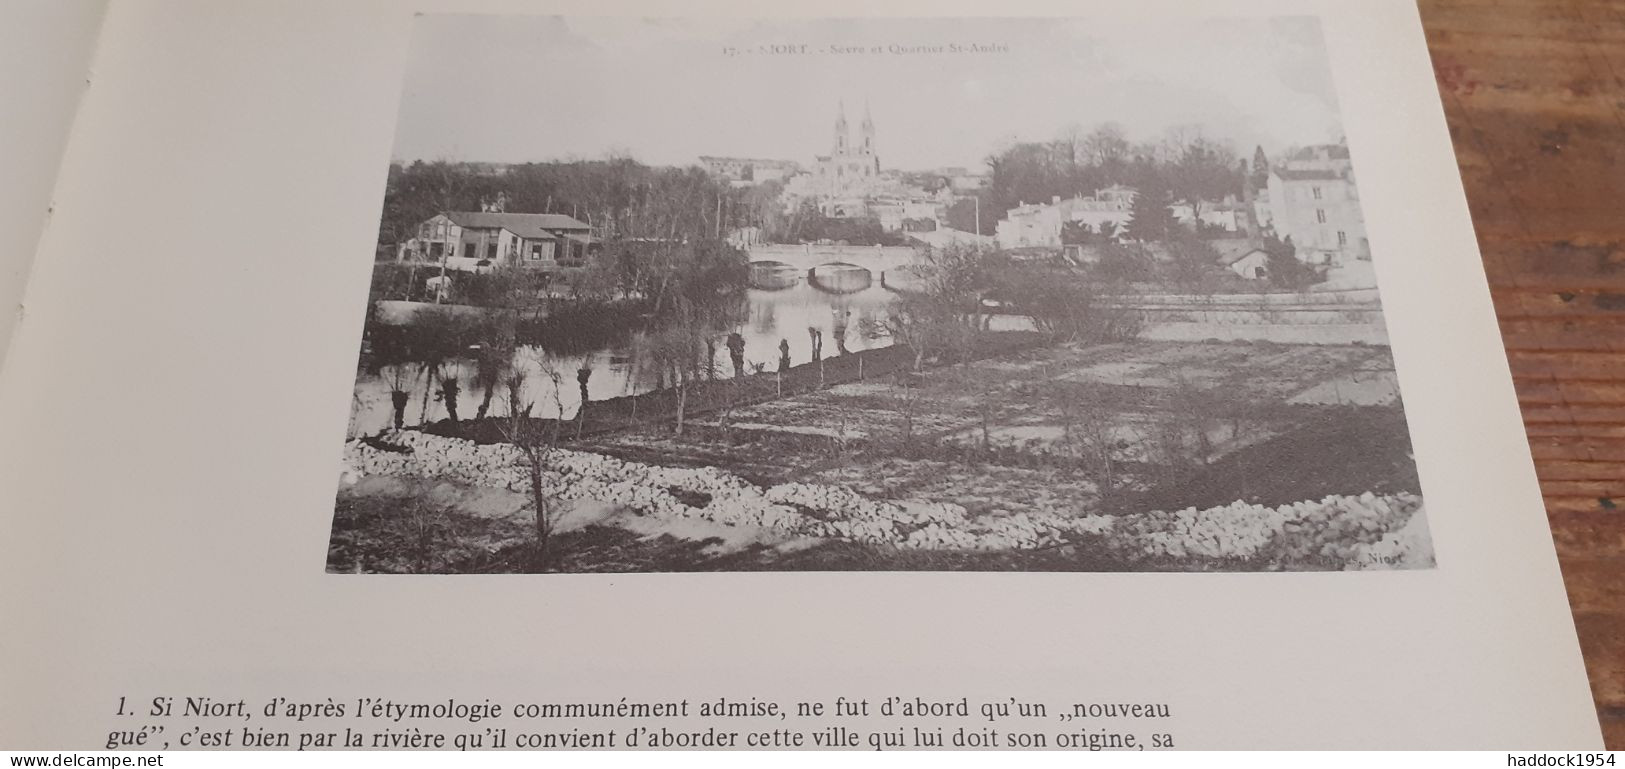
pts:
pixel 1316 191
pixel 1320 215
pixel 1342 238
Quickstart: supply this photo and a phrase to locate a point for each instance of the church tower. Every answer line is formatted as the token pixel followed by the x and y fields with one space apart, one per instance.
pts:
pixel 841 133
pixel 867 142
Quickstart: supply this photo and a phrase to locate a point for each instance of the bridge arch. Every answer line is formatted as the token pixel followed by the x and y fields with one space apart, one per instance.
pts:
pixel 839 278
pixel 773 275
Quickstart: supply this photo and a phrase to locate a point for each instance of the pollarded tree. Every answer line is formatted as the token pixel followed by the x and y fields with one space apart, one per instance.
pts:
pixel 495 340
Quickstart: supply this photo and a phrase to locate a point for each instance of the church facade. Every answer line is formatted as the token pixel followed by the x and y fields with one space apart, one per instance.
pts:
pixel 849 183
pixel 847 177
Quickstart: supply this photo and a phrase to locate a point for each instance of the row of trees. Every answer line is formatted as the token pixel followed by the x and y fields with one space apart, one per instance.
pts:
pixel 615 194
pixel 1185 262
pixel 683 293
pixel 618 196
pixel 956 289
pixel 1183 165
pixel 672 294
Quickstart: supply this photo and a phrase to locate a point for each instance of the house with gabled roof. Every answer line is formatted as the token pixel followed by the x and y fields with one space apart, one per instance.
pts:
pixel 487 239
pixel 1243 257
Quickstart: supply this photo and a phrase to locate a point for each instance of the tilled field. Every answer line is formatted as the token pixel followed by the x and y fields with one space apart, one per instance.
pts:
pixel 1222 456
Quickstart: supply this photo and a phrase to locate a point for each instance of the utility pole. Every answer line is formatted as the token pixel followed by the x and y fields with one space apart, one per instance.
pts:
pixel 445 251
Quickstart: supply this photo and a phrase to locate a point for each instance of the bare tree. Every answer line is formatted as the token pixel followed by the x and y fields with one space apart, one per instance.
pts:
pixel 1107 144
pixel 679 349
pixel 1181 439
pixel 1092 433
pixel 1199 169
pixel 1070 143
pixel 946 314
pixel 398 375
pixel 536 441
pixel 911 322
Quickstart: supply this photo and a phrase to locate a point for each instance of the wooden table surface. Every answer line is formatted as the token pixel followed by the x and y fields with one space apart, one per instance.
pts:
pixel 1534 91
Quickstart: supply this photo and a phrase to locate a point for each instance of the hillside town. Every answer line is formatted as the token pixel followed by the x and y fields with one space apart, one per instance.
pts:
pixel 1307 198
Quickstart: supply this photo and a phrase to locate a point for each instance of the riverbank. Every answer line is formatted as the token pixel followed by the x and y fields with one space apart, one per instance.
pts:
pixel 1223 457
pixel 1182 424
pixel 718 392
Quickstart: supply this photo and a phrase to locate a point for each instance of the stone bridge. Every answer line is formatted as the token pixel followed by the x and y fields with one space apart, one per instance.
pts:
pixel 876 259
pixel 834 269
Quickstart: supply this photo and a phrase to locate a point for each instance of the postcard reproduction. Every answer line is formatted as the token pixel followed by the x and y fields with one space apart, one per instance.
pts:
pixel 871 294
pixel 496 375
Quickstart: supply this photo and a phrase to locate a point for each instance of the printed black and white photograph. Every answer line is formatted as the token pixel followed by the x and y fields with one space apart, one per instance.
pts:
pixel 1047 295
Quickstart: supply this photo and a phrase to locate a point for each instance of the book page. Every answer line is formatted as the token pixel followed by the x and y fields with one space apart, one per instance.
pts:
pixel 517 377
pixel 42 76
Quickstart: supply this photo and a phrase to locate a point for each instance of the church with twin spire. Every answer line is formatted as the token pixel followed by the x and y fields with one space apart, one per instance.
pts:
pixel 850 173
pixel 849 183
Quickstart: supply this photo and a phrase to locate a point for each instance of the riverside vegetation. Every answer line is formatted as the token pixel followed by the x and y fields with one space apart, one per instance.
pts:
pixel 987 412
pixel 717 464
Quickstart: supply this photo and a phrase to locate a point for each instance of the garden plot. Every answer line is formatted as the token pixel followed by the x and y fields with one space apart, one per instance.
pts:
pixel 982 490
pixel 978 458
pixel 829 416
pixel 1364 388
pixel 1132 437
pixel 1225 396
pixel 1137 373
pixel 1262 369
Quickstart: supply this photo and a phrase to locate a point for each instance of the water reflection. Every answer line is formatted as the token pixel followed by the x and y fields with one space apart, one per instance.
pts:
pixel 774 316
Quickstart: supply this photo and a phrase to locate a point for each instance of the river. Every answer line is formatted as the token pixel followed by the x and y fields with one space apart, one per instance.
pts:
pixel 784 314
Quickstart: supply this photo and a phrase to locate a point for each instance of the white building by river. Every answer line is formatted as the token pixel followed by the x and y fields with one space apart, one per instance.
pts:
pixel 538 240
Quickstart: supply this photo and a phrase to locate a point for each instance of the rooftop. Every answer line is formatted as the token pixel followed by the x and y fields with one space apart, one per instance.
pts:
pixel 769 162
pixel 1291 175
pixel 534 226
pixel 1232 250
pixel 1322 151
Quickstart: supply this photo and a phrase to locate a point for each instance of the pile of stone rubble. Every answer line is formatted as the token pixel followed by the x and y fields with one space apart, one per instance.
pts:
pixel 1342 528
pixel 1366 531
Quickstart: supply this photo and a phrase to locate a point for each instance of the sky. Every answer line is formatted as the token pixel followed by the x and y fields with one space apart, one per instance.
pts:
pixel 667 91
